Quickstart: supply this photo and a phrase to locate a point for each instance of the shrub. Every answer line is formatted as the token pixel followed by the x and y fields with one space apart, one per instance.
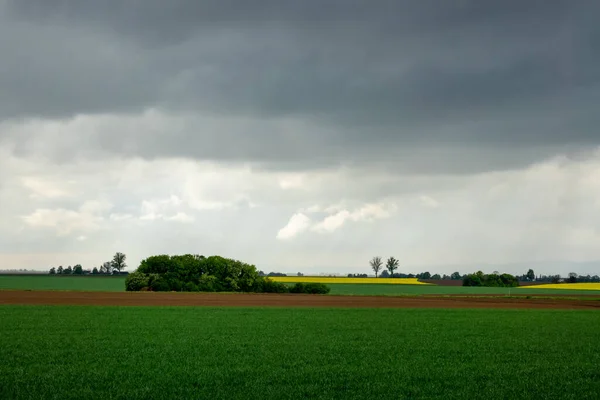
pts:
pixel 136 281
pixel 175 284
pixel 160 285
pixel 297 288
pixel 316 288
pixel 267 285
pixel 310 288
pixel 208 283
pixel 190 287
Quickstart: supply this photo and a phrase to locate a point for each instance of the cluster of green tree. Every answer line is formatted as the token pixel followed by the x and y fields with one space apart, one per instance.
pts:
pixel 571 278
pixel 76 270
pixel 272 274
pixel 196 273
pixel 491 280
pixel 114 267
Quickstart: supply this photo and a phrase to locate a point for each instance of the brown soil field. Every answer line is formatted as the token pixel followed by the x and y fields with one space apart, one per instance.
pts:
pixel 280 300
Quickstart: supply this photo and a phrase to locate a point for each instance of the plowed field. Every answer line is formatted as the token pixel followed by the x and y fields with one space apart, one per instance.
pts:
pixel 282 300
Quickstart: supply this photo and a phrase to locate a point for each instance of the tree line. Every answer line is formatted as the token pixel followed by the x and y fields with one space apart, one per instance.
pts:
pixel 113 267
pixel 388 269
pixel 391 265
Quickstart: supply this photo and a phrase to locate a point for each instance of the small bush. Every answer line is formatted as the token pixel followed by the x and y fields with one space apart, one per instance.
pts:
pixel 269 286
pixel 175 284
pixel 160 285
pixel 190 287
pixel 310 288
pixel 208 283
pixel 297 288
pixel 136 281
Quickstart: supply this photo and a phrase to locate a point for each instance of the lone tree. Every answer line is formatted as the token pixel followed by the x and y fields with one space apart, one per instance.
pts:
pixel 376 264
pixel 391 265
pixel 530 275
pixel 52 271
pixel 59 270
pixel 118 262
pixel 78 270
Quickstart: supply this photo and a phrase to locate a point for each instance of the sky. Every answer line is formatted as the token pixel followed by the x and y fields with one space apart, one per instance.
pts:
pixel 302 136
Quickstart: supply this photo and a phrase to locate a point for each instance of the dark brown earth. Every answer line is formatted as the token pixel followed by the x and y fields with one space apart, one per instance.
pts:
pixel 281 300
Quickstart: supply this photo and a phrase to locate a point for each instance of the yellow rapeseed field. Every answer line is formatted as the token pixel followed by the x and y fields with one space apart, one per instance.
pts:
pixel 572 286
pixel 328 279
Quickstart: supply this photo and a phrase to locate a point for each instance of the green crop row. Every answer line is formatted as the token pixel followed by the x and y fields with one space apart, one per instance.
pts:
pixel 251 353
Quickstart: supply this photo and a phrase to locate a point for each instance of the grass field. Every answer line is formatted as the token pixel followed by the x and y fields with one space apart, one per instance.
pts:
pixel 80 352
pixel 340 280
pixel 48 282
pixel 117 284
pixel 400 290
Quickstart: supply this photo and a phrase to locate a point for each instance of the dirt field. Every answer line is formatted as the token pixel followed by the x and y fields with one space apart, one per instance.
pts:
pixel 280 300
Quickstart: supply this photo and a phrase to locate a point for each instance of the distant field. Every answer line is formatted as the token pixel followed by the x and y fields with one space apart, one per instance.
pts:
pixel 56 352
pixel 399 290
pixel 569 286
pixel 117 284
pixel 338 280
pixel 49 282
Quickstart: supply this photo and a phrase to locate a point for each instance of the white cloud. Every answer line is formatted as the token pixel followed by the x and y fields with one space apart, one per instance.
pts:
pixel 120 217
pixel 87 218
pixel 46 189
pixel 181 217
pixel 548 211
pixel 332 222
pixel 428 201
pixel 154 209
pixel 298 223
pixel 292 181
pixel 367 213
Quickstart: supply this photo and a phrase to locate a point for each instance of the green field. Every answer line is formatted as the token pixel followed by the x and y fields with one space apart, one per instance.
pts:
pixel 48 282
pixel 117 284
pixel 80 352
pixel 400 290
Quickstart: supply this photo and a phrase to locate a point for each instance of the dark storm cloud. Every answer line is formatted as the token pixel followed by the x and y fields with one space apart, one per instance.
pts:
pixel 374 78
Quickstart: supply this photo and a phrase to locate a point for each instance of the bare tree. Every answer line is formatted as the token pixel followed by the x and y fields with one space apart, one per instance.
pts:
pixel 376 264
pixel 118 261
pixel 106 268
pixel 391 265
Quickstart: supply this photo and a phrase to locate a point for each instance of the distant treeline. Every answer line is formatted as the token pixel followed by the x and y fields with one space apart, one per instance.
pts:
pixel 113 267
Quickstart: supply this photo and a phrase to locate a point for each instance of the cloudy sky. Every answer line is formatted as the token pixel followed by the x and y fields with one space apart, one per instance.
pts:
pixel 301 135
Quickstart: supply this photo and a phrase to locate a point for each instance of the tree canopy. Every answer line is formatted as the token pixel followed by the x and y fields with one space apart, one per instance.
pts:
pixel 193 273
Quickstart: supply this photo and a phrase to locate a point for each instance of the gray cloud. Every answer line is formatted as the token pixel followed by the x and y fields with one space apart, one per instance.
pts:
pixel 424 86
